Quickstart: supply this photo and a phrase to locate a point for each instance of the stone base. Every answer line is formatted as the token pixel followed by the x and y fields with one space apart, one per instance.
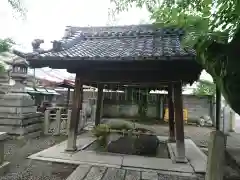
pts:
pixel 4 167
pixel 31 135
pixel 181 160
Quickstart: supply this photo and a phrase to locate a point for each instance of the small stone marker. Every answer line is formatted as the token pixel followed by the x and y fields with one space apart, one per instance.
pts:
pixel 216 156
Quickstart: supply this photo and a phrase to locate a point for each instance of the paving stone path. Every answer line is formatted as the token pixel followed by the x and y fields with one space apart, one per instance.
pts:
pixel 87 172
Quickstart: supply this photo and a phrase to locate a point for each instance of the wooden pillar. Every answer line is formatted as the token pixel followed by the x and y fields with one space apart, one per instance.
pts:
pixel 76 107
pixel 218 108
pixel 99 104
pixel 68 98
pixel 178 102
pixel 171 113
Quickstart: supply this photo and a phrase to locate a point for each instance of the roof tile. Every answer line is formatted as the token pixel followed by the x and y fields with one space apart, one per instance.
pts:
pixel 120 42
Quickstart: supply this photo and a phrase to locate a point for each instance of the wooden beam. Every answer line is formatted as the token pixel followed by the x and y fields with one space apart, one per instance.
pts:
pixel 99 104
pixel 74 121
pixel 171 113
pixel 132 77
pixel 178 102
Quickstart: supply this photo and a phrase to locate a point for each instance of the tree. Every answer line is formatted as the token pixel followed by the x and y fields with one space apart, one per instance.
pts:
pixel 6 44
pixel 205 88
pixel 17 6
pixel 212 29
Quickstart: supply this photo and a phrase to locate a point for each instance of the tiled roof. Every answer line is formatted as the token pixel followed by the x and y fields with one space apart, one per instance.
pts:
pixel 120 42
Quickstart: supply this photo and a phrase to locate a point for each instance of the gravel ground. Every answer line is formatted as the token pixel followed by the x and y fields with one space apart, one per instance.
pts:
pixel 21 168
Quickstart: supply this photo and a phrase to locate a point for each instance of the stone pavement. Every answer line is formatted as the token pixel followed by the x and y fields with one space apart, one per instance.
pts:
pixel 88 172
pixel 196 158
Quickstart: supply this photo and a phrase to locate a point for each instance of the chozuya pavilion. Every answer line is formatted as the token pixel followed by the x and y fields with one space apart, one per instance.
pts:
pixel 140 55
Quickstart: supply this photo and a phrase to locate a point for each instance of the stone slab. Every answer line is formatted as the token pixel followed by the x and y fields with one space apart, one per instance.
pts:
pixel 98 158
pixel 95 173
pixel 30 135
pixel 155 163
pixel 16 102
pixel 20 116
pixel 80 172
pixel 18 110
pixel 148 175
pixel 114 174
pixel 194 155
pixel 163 172
pixel 18 122
pixel 3 136
pixel 133 175
pixel 60 148
pixel 21 130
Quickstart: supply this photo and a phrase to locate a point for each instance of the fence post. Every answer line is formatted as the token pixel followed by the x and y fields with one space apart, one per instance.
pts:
pixel 58 122
pixel 46 121
pixel 68 120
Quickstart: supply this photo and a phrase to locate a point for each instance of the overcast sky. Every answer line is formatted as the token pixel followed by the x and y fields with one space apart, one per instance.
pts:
pixel 46 19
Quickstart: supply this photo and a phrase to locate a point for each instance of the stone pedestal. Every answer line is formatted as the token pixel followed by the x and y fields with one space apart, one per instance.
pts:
pixel 3 164
pixel 18 114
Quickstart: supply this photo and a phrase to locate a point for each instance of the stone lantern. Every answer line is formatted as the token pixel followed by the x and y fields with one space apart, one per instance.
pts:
pixel 18 113
pixel 19 69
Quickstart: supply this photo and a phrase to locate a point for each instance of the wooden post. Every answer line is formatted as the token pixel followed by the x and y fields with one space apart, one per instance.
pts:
pixel 68 120
pixel 158 107
pixel 99 105
pixel 68 98
pixel 216 156
pixel 218 108
pixel 46 121
pixel 171 113
pixel 76 107
pixel 180 145
pixel 58 122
